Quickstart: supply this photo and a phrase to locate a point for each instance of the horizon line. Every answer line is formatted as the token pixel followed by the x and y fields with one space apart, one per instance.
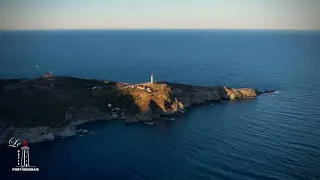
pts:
pixel 128 29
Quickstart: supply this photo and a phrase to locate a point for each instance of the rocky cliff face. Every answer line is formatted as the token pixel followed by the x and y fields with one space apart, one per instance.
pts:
pixel 45 108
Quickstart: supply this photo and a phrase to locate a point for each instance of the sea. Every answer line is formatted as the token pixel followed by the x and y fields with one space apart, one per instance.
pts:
pixel 272 137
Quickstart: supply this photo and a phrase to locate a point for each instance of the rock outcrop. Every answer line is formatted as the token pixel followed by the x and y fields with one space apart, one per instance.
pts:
pixel 241 93
pixel 46 108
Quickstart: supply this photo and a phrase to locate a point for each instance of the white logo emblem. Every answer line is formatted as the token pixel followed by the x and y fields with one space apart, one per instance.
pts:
pixel 13 142
pixel 23 162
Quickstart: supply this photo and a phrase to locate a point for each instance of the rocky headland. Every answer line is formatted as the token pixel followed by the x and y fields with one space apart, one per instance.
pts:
pixel 50 107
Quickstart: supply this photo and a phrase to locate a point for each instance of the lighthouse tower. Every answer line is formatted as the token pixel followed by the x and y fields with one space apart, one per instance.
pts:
pixel 25 154
pixel 151 80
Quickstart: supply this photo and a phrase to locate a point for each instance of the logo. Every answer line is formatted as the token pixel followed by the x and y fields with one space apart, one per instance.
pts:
pixel 23 155
pixel 13 142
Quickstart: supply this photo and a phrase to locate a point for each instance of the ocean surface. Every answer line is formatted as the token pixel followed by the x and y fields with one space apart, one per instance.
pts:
pixel 273 137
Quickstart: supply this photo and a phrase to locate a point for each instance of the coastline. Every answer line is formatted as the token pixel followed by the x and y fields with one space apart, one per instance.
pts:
pixel 51 107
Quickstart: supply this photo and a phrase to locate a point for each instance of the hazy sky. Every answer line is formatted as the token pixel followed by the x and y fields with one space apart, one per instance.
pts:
pixel 177 14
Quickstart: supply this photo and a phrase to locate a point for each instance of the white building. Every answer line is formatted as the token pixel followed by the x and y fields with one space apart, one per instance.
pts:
pixel 141 87
pixel 151 80
pixel 149 90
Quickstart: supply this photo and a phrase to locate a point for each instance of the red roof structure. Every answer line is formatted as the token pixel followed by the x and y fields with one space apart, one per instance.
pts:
pixel 48 75
pixel 25 143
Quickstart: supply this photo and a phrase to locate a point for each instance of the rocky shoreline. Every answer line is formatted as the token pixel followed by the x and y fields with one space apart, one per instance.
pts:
pixel 51 107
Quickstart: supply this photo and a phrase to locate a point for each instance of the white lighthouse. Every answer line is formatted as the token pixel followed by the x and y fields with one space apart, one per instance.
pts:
pixel 151 79
pixel 25 155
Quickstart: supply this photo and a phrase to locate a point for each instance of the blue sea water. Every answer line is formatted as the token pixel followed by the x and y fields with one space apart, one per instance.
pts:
pixel 270 138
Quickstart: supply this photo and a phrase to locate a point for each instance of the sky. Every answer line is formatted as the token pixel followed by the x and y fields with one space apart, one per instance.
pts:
pixel 159 14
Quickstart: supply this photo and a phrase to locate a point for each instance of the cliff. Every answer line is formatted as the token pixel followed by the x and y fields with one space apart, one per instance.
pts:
pixel 44 108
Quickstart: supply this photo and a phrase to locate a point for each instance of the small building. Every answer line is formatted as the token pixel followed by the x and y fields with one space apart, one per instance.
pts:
pixel 48 75
pixel 149 90
pixel 141 87
pixel 130 86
